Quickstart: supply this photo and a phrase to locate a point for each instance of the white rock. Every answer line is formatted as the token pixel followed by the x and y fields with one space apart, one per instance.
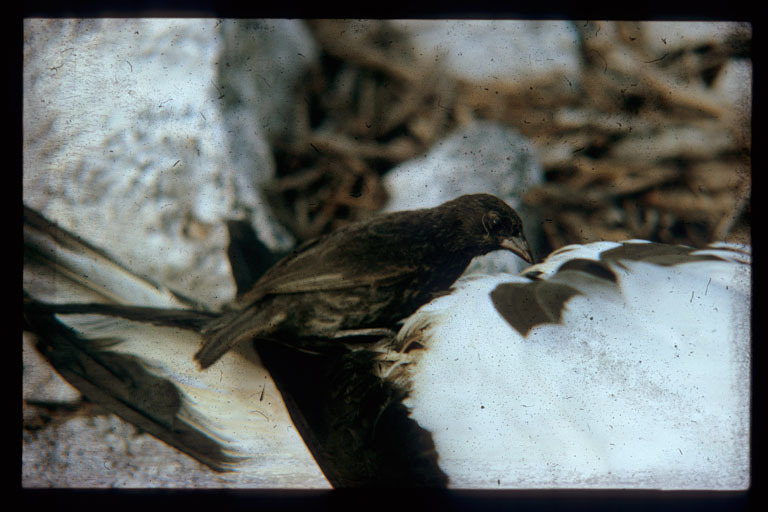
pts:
pixel 491 50
pixel 134 140
pixel 734 85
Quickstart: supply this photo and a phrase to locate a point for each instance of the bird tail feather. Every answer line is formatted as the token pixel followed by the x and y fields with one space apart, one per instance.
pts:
pixel 231 329
pixel 81 315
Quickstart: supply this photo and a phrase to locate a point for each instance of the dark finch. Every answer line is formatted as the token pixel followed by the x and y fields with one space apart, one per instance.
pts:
pixel 367 276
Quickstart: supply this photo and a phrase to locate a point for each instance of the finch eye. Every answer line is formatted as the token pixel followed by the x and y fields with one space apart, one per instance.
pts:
pixel 491 222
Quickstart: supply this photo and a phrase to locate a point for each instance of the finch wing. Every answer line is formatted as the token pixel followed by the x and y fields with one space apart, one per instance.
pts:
pixel 347 258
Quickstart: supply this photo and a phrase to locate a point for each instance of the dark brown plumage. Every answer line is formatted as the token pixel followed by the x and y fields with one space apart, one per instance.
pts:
pixel 367 275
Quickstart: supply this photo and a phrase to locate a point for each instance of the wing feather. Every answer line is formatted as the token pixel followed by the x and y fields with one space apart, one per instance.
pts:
pixel 334 262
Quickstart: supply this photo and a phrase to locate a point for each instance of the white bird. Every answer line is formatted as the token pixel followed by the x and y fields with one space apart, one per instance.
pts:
pixel 613 364
pixel 609 365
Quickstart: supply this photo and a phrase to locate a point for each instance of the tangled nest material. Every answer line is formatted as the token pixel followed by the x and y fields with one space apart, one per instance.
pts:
pixel 640 146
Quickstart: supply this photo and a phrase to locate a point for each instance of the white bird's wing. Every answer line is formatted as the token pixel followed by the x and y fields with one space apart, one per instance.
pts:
pixel 607 365
pixel 233 418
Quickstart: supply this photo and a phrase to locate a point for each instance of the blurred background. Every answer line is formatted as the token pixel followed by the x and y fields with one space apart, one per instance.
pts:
pixel 641 130
pixel 145 136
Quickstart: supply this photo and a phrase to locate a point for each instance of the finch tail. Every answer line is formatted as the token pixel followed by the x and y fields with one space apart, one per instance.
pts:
pixel 216 342
pixel 231 329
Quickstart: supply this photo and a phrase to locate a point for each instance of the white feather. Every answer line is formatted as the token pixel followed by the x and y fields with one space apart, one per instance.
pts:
pixel 235 401
pixel 644 385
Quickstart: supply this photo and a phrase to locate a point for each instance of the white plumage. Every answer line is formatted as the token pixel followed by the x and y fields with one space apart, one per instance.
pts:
pixel 643 382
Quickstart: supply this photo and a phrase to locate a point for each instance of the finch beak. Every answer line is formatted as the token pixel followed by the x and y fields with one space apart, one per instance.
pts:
pixel 519 245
